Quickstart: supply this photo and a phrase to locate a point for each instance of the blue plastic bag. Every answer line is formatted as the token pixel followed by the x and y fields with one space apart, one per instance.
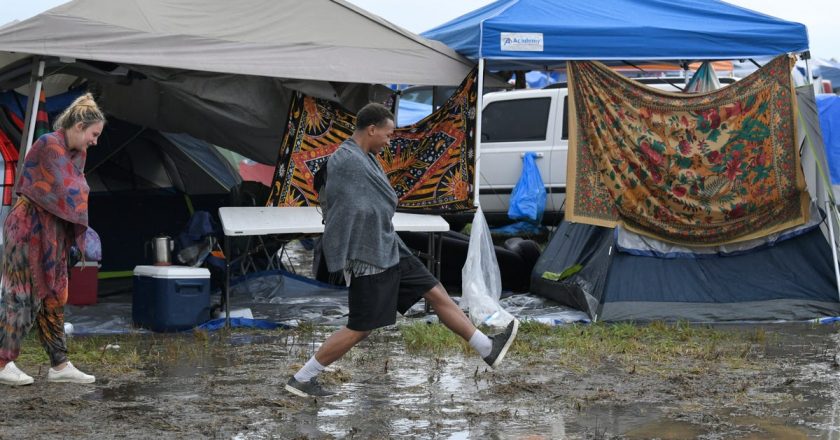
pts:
pixel 527 201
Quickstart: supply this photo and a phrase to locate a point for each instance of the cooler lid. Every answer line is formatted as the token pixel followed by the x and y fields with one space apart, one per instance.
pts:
pixel 171 272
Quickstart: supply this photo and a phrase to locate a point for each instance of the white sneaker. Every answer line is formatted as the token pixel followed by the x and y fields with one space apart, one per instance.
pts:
pixel 69 374
pixel 11 375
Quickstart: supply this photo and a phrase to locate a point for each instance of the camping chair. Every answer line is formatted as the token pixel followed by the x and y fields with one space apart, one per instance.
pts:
pixel 197 243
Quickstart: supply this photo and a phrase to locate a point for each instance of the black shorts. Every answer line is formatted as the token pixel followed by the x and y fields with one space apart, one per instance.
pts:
pixel 375 299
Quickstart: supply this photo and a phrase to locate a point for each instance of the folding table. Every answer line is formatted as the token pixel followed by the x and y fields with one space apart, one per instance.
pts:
pixel 265 220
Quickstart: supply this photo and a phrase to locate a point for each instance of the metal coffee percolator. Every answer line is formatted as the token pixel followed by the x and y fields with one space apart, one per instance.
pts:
pixel 162 247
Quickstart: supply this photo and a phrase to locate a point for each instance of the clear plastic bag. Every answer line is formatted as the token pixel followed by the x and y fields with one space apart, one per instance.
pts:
pixel 481 282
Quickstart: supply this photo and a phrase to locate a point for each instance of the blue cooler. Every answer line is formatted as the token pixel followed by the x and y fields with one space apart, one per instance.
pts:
pixel 170 298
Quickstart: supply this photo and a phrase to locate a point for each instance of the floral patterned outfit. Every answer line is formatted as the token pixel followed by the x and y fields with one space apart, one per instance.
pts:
pixel 49 216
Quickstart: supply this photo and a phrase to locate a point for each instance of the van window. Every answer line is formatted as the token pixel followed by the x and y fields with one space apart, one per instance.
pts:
pixel 565 133
pixel 418 94
pixel 515 120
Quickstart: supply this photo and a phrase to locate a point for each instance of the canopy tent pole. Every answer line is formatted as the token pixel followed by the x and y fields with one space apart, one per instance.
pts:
pixel 397 95
pixel 36 81
pixel 808 77
pixel 479 102
pixel 832 216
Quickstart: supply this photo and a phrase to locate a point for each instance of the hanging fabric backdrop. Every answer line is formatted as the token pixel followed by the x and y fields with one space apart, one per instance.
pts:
pixel 706 169
pixel 430 164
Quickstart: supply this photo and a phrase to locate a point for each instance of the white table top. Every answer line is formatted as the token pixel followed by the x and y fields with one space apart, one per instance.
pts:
pixel 261 220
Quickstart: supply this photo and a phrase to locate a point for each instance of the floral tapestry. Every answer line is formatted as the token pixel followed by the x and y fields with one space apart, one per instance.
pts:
pixel 430 164
pixel 703 169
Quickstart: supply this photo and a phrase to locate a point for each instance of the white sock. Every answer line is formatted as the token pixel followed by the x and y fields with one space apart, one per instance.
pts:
pixel 309 370
pixel 481 343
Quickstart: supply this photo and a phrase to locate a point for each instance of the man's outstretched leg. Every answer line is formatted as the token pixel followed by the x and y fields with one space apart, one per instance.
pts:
pixel 372 302
pixel 492 349
pixel 304 383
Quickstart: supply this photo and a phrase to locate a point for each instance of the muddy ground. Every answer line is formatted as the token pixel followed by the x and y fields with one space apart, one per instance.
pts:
pixel 786 387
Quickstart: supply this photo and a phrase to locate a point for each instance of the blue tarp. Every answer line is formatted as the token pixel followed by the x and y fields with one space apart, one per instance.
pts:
pixel 216 324
pixel 616 30
pixel 56 104
pixel 829 110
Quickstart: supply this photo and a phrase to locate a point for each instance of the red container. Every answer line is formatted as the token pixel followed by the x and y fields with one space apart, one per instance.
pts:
pixel 83 286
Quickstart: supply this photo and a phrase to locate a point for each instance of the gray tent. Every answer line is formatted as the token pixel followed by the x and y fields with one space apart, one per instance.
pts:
pixel 130 158
pixel 223 71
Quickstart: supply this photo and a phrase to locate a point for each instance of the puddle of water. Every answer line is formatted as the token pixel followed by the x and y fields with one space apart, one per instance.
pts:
pixel 121 393
pixel 665 430
pixel 605 421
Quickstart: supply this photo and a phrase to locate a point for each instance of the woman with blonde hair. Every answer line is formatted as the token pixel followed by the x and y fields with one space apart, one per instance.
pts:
pixel 50 215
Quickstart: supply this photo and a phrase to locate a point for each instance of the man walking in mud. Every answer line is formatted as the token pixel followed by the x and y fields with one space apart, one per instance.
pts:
pixel 383 275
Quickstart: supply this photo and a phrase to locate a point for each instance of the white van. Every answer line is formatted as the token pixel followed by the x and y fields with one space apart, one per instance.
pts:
pixel 532 120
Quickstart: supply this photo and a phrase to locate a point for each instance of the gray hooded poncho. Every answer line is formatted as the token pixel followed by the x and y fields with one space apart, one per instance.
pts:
pixel 358 204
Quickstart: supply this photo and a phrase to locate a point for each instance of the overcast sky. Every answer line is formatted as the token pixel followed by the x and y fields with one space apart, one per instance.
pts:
pixel 822 17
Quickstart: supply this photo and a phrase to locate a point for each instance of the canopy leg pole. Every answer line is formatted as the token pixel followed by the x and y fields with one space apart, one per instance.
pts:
pixel 808 78
pixel 832 215
pixel 479 103
pixel 397 95
pixel 36 81
pixel 226 293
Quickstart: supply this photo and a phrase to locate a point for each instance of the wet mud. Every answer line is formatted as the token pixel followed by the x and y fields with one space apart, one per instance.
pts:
pixel 787 387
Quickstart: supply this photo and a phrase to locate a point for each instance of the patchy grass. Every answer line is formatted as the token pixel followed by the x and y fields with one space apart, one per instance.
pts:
pixel 126 353
pixel 650 348
pixel 431 338
pixel 642 346
pixel 88 351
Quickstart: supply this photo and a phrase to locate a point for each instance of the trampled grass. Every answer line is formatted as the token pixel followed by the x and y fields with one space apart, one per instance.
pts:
pixel 123 353
pixel 627 344
pixel 641 347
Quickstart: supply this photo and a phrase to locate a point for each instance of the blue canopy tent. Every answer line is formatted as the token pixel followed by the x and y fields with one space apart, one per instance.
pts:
pixel 511 34
pixel 542 34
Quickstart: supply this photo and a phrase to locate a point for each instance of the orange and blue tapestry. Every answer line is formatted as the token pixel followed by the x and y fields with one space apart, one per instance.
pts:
pixel 704 169
pixel 431 164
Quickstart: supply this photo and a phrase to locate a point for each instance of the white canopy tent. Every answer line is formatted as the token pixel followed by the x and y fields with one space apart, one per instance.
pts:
pixel 220 70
